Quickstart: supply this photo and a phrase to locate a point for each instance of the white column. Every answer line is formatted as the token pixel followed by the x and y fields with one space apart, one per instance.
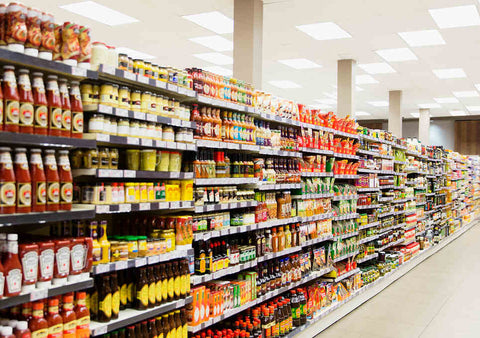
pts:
pixel 424 126
pixel 247 41
pixel 395 112
pixel 346 88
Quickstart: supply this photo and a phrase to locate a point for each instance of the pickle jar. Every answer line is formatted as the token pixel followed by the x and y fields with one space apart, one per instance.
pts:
pixel 138 67
pixel 96 123
pixel 106 94
pixel 123 61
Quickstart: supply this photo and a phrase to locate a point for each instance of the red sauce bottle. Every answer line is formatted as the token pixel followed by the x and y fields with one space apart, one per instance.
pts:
pixel 1 100
pixel 38 325
pixel 40 105
pixel 39 184
pixel 66 180
pixel 26 102
pixel 66 108
pixel 62 261
pixel 54 106
pixel 53 181
pixel 12 267
pixel 7 182
pixel 46 264
pixel 69 317
pixel 21 330
pixel 6 332
pixel 10 94
pixel 29 259
pixel 83 316
pixel 77 259
pixel 77 109
pixel 54 320
pixel 24 182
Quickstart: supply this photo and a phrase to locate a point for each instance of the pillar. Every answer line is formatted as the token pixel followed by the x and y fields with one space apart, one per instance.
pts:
pixel 346 88
pixel 247 41
pixel 394 112
pixel 424 126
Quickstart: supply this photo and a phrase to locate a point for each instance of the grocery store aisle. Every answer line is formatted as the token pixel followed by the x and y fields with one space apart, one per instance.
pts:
pixel 438 298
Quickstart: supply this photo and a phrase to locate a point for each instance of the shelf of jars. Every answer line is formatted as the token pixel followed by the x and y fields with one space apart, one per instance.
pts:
pixel 131 316
pixel 128 141
pixel 367 239
pixel 225 181
pixel 224 206
pixel 315 196
pixel 394 243
pixel 283 186
pixel 367 258
pixel 345 217
pixel 227 145
pixel 145 206
pixel 375 171
pixel 78 212
pixel 393 227
pixel 120 173
pixel 369 225
pixel 345 197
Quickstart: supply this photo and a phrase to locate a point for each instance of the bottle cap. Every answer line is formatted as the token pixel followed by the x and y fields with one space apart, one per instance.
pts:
pixel 22 325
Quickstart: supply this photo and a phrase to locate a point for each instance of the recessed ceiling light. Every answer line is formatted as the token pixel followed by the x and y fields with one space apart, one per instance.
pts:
pixel 379 103
pixel 326 101
pixel 457 113
pixel 285 84
pixel 460 16
pixel 215 42
pixel 429 105
pixel 473 108
pixel 324 31
pixel 100 13
pixel 377 68
pixel 365 79
pixel 219 70
pixel 397 54
pixel 214 21
pixel 449 73
pixel 300 63
pixel 446 99
pixel 216 58
pixel 415 115
pixel 466 93
pixel 422 38
pixel 362 113
pixel 134 54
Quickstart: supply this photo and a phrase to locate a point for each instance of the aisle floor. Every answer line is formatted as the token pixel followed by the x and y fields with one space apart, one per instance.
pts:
pixel 438 298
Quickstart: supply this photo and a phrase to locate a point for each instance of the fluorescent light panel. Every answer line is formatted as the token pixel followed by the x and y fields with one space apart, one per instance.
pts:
pixel 397 54
pixel 324 31
pixel 460 16
pixel 365 79
pixel 214 21
pixel 446 99
pixel 219 70
pixel 216 58
pixel 379 103
pixel 449 73
pixel 300 63
pixel 100 13
pixel 457 113
pixel 285 84
pixel 466 93
pixel 134 54
pixel 422 38
pixel 477 86
pixel 429 105
pixel 215 42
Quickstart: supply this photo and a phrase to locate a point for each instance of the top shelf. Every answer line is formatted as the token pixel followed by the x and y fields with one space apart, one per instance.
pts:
pixel 21 139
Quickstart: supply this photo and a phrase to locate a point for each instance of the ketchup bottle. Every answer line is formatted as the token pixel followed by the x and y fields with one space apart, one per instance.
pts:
pixel 77 109
pixel 12 267
pixel 66 181
pixel 40 105
pixel 26 102
pixel 66 109
pixel 53 181
pixel 10 93
pixel 24 182
pixel 21 330
pixel 54 106
pixel 39 185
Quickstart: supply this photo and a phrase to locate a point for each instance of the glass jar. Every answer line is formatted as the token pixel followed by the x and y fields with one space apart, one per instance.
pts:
pixel 114 98
pixel 112 56
pixel 134 129
pixel 124 97
pixel 145 102
pixel 123 127
pixel 99 55
pixel 158 131
pixel 136 100
pixel 106 94
pixel 138 67
pixel 168 134
pixel 151 132
pixel 123 61
pixel 96 124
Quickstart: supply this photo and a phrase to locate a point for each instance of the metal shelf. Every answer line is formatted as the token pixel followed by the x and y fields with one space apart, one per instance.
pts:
pixel 226 181
pixel 78 211
pixel 367 258
pixel 369 225
pixel 278 152
pixel 315 174
pixel 318 217
pixel 341 258
pixel 31 140
pixel 359 189
pixel 316 151
pixel 128 207
pixel 127 141
pixel 366 207
pixel 227 145
pixel 401 240
pixel 121 173
pixel 346 177
pixel 367 239
pixel 347 156
pixel 346 275
pixel 313 196
pixel 282 186
pixel 224 206
pixel 345 197
pixel 195 279
pixel 345 217
pixel 344 236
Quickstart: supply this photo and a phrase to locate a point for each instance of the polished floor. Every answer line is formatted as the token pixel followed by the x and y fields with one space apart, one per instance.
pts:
pixel 438 298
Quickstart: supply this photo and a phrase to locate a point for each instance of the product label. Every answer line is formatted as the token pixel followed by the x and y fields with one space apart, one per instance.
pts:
pixel 24 195
pixel 66 193
pixel 124 294
pixel 177 286
pixel 183 284
pixel 77 254
pixel 77 122
pixel 55 118
pixel 26 114
pixel 171 284
pixel 30 266
pixel 55 331
pixel 165 289
pixel 63 260
pixel 2 283
pixel 142 295
pixel 53 192
pixel 70 329
pixel 158 291
pixel 46 261
pixel 41 117
pixel 105 305
pixel 14 281
pixel 43 333
pixel 116 302
pixel 12 111
pixel 152 293
pixel 83 327
pixel 7 194
pixel 1 111
pixel 66 120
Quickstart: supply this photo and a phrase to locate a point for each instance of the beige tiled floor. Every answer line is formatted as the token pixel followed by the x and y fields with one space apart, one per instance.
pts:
pixel 439 298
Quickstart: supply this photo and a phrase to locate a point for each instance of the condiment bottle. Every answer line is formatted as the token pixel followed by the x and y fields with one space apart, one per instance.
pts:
pixel 24 185
pixel 104 243
pixel 29 259
pixel 97 249
pixel 54 320
pixel 141 300
pixel 26 102
pixel 66 108
pixel 52 178
pixel 62 261
pixel 152 329
pixel 39 185
pixel 54 106
pixel 151 287
pixel 69 317
pixel 77 258
pixel 66 181
pixel 12 267
pixel 7 182
pixel 46 258
pixel 6 332
pixel 115 295
pixel 104 300
pixel 83 316
pixel 77 110
pixel 11 96
pixel 40 105
pixel 21 330
pixel 38 325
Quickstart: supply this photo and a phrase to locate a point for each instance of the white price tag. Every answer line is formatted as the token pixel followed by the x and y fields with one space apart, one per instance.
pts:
pixel 142 79
pixel 102 209
pixel 186 123
pixel 152 118
pixel 172 87
pixel 116 173
pixel 160 144
pixel 104 109
pixel 125 207
pixel 224 206
pixel 144 206
pixel 153 259
pixel 176 122
pixel 210 208
pixel 140 262
pixel 175 174
pixel 161 84
pixel 147 142
pixel 182 90
pixel 121 265
pixel 129 75
pixel 102 268
pixel 38 294
pixel 100 330
pixel 175 205
pixel 163 205
pixel 138 115
pixel 104 173
pixel 133 140
pixel 108 69
pixel 129 173
pixel 103 137
pixel 170 145
pixel 79 71
pixel 122 112
pixel 243 204
pixel 181 146
pixel 191 93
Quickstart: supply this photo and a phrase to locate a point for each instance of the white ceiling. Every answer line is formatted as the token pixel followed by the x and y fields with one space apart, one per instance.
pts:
pixel 373 25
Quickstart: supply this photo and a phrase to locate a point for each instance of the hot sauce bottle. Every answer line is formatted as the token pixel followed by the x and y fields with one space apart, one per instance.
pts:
pixel 69 317
pixel 66 108
pixel 77 110
pixel 115 295
pixel 40 120
pixel 10 93
pixel 54 106
pixel 12 267
pixel 24 182
pixel 26 102
pixel 52 177
pixel 38 325
pixel 7 182
pixel 83 316
pixel 54 320
pixel 39 185
pixel 22 331
pixel 66 181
